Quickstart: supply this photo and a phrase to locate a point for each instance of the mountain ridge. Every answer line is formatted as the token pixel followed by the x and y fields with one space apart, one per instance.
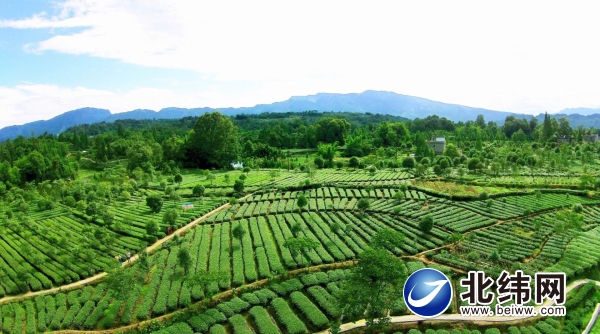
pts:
pixel 371 101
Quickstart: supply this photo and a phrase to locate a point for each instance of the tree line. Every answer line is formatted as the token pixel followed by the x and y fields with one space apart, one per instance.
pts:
pixel 215 140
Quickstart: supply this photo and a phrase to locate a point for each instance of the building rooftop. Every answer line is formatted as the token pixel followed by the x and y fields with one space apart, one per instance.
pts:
pixel 438 139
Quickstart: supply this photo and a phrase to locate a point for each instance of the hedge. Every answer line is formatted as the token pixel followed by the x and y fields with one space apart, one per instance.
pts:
pixel 216 315
pixel 492 331
pixel 546 328
pixel 67 319
pixel 265 295
pixel 263 321
pixel 287 317
pixel 83 314
pixel 251 298
pixel 129 305
pixel 233 307
pixel 198 324
pixel 97 313
pixel 41 313
pixel 310 310
pixel 326 301
pixel 185 297
pixel 288 287
pixel 178 328
pixel 73 297
pixel 111 314
pixel 50 309
pixel 239 325
pixel 30 321
pixel 580 296
pixel 218 329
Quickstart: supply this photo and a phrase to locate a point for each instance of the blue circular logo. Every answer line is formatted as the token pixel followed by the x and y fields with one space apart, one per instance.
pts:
pixel 427 293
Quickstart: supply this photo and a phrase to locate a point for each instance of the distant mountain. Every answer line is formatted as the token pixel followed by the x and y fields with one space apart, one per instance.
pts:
pixel 579 111
pixel 57 124
pixel 380 102
pixel 588 121
pixel 376 102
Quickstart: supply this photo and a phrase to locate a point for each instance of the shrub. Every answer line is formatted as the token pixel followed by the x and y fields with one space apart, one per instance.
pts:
pixel 312 313
pixel 580 296
pixel 492 331
pixel 251 298
pixel 287 317
pixel 265 295
pixel 198 324
pixel 185 297
pixel 322 277
pixel 83 314
pixel 198 191
pixel 70 201
pixel 408 162
pixel 68 318
pixel 98 312
pixel 513 330
pixel 309 279
pixel 336 275
pixel 179 328
pixel 325 300
pixel 426 223
pixel 239 325
pixel 263 321
pixel 216 315
pixel 154 202
pixel 218 329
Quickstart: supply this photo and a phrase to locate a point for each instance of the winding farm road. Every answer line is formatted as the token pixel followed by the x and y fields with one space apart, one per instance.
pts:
pixel 457 317
pixel 134 258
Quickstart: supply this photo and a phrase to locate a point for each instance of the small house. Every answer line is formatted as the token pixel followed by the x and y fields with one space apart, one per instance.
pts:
pixel 437 144
pixel 237 165
pixel 590 138
pixel 565 139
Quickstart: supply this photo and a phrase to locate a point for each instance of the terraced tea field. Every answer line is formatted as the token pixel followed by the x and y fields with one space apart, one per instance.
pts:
pixel 264 285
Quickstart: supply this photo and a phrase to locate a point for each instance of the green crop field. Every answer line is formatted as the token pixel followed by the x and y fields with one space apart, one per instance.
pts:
pixel 289 242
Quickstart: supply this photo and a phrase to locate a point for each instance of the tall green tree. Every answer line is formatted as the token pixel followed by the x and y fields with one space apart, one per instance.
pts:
pixel 138 154
pixel 154 202
pixel 238 232
pixel 213 141
pixel 301 202
pixel 547 130
pixel 363 204
pixel 170 217
pixel 327 151
pixel 331 130
pixel 184 259
pixel 372 287
pixel 426 223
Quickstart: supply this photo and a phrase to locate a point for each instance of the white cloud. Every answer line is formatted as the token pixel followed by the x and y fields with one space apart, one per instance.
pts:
pixel 512 55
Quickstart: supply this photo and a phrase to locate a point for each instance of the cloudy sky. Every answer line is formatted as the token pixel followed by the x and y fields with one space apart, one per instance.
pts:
pixel 59 55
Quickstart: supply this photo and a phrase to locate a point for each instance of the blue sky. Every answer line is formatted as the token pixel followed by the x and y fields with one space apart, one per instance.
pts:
pixel 59 55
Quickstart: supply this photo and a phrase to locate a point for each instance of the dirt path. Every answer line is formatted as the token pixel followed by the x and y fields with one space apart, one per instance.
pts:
pixel 592 321
pixel 134 258
pixel 457 317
